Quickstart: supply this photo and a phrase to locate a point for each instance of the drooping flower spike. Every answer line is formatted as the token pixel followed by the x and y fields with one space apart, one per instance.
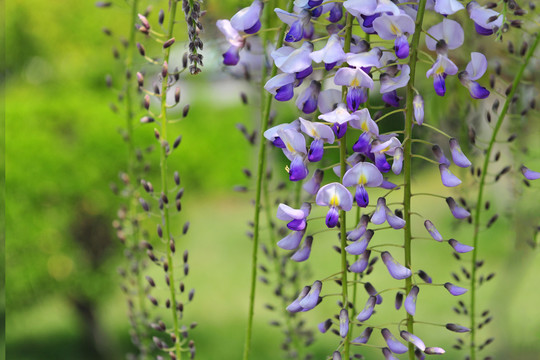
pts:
pixel 486 21
pixel 247 19
pixel 398 28
pixel 337 197
pixel 474 71
pixel 362 175
pixel 321 134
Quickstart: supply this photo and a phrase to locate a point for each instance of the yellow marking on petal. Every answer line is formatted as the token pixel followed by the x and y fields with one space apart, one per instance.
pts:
pixel 290 148
pixel 314 132
pixel 385 149
pixel 394 29
pixel 355 82
pixel 440 70
pixel 364 126
pixel 287 169
pixel 362 180
pixel 334 201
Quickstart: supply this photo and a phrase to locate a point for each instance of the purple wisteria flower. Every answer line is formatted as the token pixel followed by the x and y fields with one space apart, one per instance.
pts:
pixel 303 253
pixel 366 313
pixel 321 134
pixel 295 217
pixel 413 339
pixel 454 289
pixel 383 213
pixel 387 353
pixel 292 240
pixel 474 71
pixel 332 54
pixel 529 174
pixel 448 179
pixel 393 344
pixel 295 150
pixel 312 298
pixel 359 246
pixel 281 86
pixel 343 323
pixel 307 99
pixel 418 104
pixel 359 230
pixel 362 175
pixel 396 270
pixel 247 19
pixel 457 328
pixel 457 211
pixel 395 27
pixel 363 337
pixel 457 155
pixel 440 69
pixel 448 30
pixel 447 7
pixel 325 326
pixel 337 197
pixel 339 117
pixel 433 350
pixel 433 230
pixel 459 247
pixel 389 83
pixel 272 134
pixel 232 55
pixel 486 21
pixel 410 300
pixel 439 155
pixel 313 185
pixel 360 265
pixel 300 24
pixel 291 60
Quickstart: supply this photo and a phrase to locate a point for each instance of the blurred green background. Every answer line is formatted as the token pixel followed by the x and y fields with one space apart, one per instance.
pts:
pixel 64 149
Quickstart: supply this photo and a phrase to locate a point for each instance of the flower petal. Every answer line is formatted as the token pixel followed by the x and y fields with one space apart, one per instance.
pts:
pixel 396 270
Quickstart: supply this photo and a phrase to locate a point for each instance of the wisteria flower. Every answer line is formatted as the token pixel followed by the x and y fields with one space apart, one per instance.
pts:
pixel 300 25
pixel 272 134
pixel 413 339
pixel 366 313
pixel 332 54
pixel 457 211
pixel 410 300
pixel 383 213
pixel 459 247
pixel 360 265
pixel 236 41
pixel 364 336
pixel 313 185
pixel 295 150
pixel 454 289
pixel 339 117
pixel 442 67
pixel 291 60
pixel 529 174
pixel 447 7
pixel 393 344
pixel 457 155
pixel 295 217
pixel 321 134
pixel 281 86
pixel 362 175
pixel 247 19
pixel 448 179
pixel 474 71
pixel 396 270
pixel 359 246
pixel 448 30
pixel 433 230
pixel 389 83
pixel 486 21
pixel 418 104
pixel 337 197
pixel 307 99
pixel 398 28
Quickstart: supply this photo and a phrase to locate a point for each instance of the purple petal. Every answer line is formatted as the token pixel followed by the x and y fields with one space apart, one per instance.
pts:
pixel 529 174
pixel 388 354
pixel 393 344
pixel 396 270
pixel 364 336
pixel 413 339
pixel 343 323
pixel 332 217
pixel 285 93
pixel 454 290
pixel 448 7
pixel 325 325
pixel 439 155
pixel 433 231
pixel 401 47
pixel 477 66
pixel 303 253
pixel 336 13
pixel 363 173
pixel 316 150
pixel 433 350
pixel 477 91
pixel 362 145
pixel 360 230
pixel 335 195
pixel 296 32
pixel 393 220
pixel 361 264
pixel 439 85
pixel 371 291
pixel 298 170
pixel 410 300
pixel 459 247
pixel 314 184
pixel 457 155
pixel 287 213
pixel 291 241
pixel 232 56
pixel 457 328
pixel 358 247
pixel 297 224
pixel 424 276
pixel 457 211
pixel 247 19
pixel 418 103
pixel 336 355
pixel 361 196
pixel 448 30
pixel 391 98
pixel 379 216
pixel 312 298
pixel 366 313
pixel 355 97
pixel 448 179
pixel 397 164
pixel 295 305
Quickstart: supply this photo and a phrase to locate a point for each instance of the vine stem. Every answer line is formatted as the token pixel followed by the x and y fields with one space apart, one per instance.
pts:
pixel 260 173
pixel 478 209
pixel 164 186
pixel 343 213
pixel 407 158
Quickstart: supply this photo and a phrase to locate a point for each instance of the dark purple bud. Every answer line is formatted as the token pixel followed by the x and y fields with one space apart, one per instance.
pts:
pixel 457 328
pixel 370 289
pixel 325 325
pixel 191 294
pixel 185 111
pixel 152 299
pixel 399 300
pixel 144 204
pixel 361 264
pixel 168 43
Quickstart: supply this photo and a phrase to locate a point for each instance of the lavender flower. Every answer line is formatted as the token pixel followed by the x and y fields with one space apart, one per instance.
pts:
pixel 457 211
pixel 475 69
pixel 457 155
pixel 413 339
pixel 364 336
pixel 343 323
pixel 337 197
pixel 332 54
pixel 247 19
pixel 433 230
pixel 447 7
pixel 410 300
pixel 393 344
pixel 314 184
pixel 232 56
pixel 448 179
pixel 307 100
pixel 454 290
pixel 459 247
pixel 362 175
pixel 485 20
pixel 398 28
pixel 366 313
pixel 396 270
pixel 529 174
pixel 321 134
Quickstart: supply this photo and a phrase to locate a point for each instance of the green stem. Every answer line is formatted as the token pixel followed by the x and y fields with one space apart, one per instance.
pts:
pixel 260 173
pixel 343 213
pixel 479 200
pixel 164 186
pixel 407 158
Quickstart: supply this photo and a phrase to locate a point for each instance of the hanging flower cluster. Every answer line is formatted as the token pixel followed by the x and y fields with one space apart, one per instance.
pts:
pixel 333 83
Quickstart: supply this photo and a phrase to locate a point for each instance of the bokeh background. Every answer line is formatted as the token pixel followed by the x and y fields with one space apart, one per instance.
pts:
pixel 64 149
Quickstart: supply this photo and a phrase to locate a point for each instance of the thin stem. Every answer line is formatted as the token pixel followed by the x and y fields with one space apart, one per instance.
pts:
pixel 424 158
pixel 390 113
pixel 437 130
pixel 164 187
pixel 407 159
pixel 479 199
pixel 260 173
pixel 342 213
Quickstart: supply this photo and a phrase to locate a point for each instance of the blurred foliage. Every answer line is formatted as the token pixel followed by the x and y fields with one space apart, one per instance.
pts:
pixel 63 150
